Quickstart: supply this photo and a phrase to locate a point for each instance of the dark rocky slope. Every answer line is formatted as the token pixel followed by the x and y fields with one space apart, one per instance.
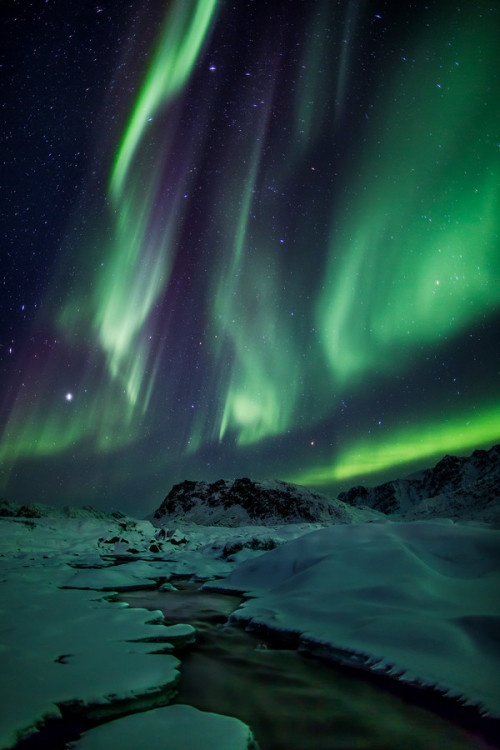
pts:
pixel 246 502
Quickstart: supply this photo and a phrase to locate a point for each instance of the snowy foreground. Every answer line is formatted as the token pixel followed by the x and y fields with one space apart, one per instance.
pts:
pixel 419 600
pixel 67 651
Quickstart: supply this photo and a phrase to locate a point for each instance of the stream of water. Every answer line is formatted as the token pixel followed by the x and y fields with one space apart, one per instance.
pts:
pixel 291 702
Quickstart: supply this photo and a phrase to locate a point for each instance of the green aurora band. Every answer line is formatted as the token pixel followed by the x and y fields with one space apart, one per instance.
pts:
pixel 141 253
pixel 133 269
pixel 184 32
pixel 417 257
pixel 140 261
pixel 412 260
pixel 409 259
pixel 413 444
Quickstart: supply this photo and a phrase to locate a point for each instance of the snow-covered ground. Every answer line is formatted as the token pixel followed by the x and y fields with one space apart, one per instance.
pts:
pixel 419 600
pixel 67 650
pixel 176 727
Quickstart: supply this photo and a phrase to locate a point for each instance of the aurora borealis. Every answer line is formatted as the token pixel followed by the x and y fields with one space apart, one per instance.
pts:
pixel 251 239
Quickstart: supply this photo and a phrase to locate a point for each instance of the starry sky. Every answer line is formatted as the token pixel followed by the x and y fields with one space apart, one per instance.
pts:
pixel 254 238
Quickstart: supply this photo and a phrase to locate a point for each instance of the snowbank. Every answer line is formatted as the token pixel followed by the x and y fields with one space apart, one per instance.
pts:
pixel 172 728
pixel 419 600
pixel 127 576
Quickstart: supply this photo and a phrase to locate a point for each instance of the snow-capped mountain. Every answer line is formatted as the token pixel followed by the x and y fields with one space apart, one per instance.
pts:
pixel 245 502
pixel 467 488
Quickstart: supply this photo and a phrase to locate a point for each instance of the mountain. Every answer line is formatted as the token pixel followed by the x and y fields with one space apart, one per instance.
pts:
pixel 466 488
pixel 247 502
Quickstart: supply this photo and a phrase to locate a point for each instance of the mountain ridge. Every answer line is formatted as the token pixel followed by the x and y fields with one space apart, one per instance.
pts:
pixel 245 501
pixel 465 487
pixel 457 487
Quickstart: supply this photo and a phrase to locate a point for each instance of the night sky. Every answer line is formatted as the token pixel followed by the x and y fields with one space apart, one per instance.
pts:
pixel 255 238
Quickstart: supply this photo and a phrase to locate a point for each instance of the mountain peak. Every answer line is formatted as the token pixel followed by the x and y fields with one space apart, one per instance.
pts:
pixel 244 501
